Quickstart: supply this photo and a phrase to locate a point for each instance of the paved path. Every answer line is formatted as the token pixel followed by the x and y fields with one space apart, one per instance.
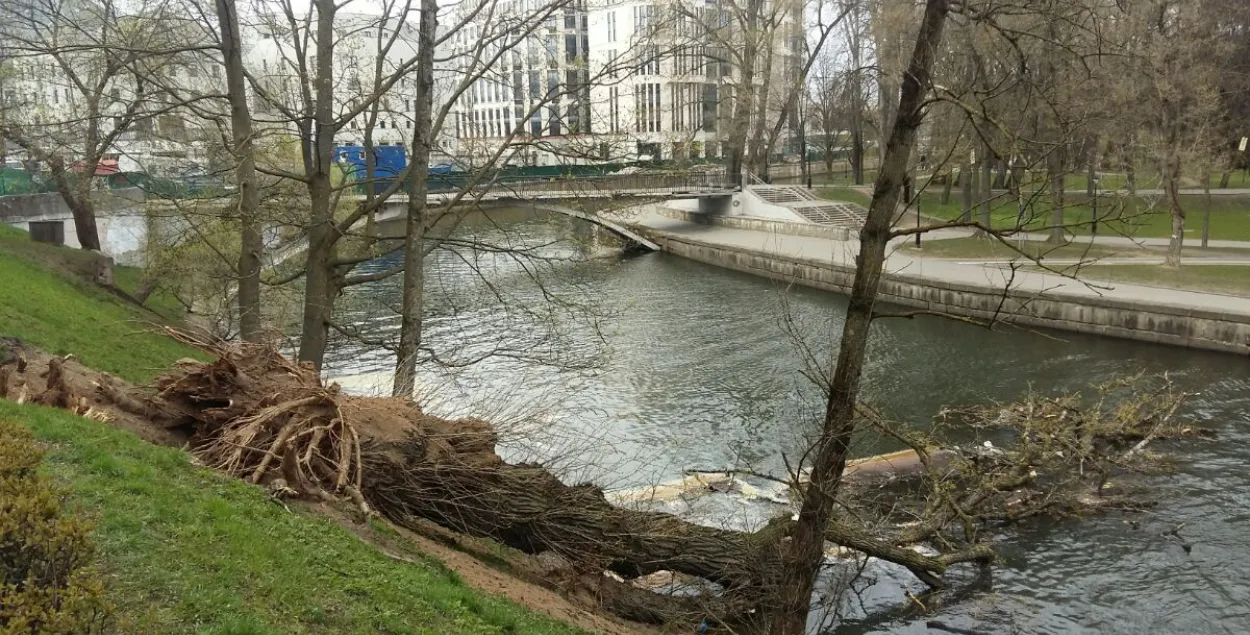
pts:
pixel 947 271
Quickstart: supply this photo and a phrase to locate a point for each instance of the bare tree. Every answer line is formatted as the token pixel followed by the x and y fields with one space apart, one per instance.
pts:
pixel 806 550
pixel 251 243
pixel 85 69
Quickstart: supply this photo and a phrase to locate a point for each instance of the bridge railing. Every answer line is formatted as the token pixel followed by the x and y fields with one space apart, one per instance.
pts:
pixel 661 183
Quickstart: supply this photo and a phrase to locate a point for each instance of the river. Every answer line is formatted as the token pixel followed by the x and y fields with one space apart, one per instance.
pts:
pixel 624 371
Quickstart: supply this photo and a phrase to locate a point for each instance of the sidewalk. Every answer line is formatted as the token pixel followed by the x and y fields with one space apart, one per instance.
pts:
pixel 980 274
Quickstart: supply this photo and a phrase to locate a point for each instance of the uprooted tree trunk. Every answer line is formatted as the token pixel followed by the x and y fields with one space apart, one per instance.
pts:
pixel 257 415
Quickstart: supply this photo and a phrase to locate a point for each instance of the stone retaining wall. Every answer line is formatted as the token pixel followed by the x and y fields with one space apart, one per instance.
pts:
pixel 1156 323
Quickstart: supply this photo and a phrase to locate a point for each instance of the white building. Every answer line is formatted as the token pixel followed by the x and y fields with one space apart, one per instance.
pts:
pixel 616 80
pixel 61 94
pixel 668 80
pixel 535 99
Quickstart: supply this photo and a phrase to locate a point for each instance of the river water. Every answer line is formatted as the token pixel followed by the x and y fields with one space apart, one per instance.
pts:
pixel 625 371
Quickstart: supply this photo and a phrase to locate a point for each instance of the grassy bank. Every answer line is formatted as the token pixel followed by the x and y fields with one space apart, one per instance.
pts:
pixel 184 549
pixel 1227 279
pixel 984 248
pixel 1118 216
pixel 46 300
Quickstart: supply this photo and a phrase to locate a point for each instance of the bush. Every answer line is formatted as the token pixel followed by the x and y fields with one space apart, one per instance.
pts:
pixel 46 582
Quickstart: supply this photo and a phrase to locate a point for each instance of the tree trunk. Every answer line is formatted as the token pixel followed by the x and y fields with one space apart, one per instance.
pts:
pixel 1224 178
pixel 744 95
pixel 319 291
pixel 946 188
pixel 966 177
pixel 1130 170
pixel 76 192
pixel 1171 186
pixel 251 243
pixel 987 185
pixel 1206 213
pixel 1054 169
pixel 759 149
pixel 147 286
pixel 414 248
pixel 803 558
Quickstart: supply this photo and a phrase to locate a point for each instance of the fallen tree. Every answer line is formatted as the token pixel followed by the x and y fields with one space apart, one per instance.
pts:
pixel 255 414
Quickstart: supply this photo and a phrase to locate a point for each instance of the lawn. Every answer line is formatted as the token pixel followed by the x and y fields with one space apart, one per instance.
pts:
pixel 988 249
pixel 847 194
pixel 184 549
pixel 44 301
pixel 1228 279
pixel 1137 217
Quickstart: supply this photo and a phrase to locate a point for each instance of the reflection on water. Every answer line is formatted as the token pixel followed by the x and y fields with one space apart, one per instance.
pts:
pixel 628 371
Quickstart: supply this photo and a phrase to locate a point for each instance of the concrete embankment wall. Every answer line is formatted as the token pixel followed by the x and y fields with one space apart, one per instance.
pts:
pixel 120 221
pixel 1154 323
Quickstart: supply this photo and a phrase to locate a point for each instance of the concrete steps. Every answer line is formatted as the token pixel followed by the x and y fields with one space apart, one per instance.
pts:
pixel 802 202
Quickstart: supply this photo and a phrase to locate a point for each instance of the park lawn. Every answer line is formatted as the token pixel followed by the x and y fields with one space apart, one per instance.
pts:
pixel 184 549
pixel 45 301
pixel 1118 216
pixel 993 249
pixel 845 194
pixel 1227 279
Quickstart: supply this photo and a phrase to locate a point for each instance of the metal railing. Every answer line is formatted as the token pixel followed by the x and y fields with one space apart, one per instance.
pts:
pixel 678 182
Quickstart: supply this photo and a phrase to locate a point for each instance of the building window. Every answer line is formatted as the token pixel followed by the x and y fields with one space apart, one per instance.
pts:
pixel 649 62
pixel 647 104
pixel 644 17
pixel 611 26
pixel 553 121
pixel 614 109
pixel 709 107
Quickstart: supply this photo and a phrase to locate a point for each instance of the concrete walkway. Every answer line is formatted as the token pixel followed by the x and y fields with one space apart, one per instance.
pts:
pixel 980 274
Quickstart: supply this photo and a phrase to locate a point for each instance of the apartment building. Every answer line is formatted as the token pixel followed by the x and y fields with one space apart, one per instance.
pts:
pixel 60 94
pixel 668 73
pixel 531 104
pixel 618 80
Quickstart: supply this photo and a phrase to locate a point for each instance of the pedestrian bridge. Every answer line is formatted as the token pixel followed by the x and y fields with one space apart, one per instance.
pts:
pixel 555 195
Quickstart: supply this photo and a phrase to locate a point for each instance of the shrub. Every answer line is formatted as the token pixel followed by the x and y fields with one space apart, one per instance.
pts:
pixel 46 583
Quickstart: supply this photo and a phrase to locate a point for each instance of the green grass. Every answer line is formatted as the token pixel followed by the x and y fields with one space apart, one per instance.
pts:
pixel 186 550
pixel 45 303
pixel 1228 279
pixel 844 194
pixel 1137 217
pixel 984 248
